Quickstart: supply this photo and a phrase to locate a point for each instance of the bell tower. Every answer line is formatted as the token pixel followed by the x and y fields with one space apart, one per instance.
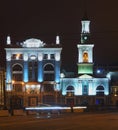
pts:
pixel 85 49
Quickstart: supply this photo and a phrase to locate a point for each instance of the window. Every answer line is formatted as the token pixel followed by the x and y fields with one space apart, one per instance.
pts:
pixel 52 56
pixel 17 73
pixel 49 72
pixel 48 88
pixel 100 91
pixel 85 90
pixel 70 91
pixel 33 70
pixel 17 56
pixel 85 57
pixel 45 56
pixel 17 87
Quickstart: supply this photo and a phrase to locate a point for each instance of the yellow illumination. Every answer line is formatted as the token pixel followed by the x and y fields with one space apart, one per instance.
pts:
pixel 13 81
pixel 17 56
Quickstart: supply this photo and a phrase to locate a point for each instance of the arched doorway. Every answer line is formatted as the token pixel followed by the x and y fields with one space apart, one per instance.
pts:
pixel 70 91
pixel 100 91
pixel 100 95
pixel 70 100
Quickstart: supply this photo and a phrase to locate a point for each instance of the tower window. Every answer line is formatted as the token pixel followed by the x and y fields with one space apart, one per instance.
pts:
pixel 85 57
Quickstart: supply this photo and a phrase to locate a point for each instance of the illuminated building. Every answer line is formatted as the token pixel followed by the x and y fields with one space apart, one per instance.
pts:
pixel 113 76
pixel 85 89
pixel 33 74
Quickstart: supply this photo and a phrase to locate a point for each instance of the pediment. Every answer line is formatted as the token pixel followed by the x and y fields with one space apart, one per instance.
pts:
pixel 85 76
pixel 32 42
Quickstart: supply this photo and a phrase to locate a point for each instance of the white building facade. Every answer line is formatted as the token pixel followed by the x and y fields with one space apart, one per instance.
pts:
pixel 33 74
pixel 85 89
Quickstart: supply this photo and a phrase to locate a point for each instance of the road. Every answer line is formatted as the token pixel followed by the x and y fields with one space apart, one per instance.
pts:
pixel 71 121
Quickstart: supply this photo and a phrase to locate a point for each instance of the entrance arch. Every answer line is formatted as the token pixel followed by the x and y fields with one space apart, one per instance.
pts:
pixel 70 91
pixel 100 91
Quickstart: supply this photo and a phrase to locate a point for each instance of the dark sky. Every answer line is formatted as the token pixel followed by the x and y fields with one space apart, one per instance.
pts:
pixel 44 19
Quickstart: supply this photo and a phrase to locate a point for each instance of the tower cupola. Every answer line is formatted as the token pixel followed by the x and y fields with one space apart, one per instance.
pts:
pixel 85 49
pixel 85 30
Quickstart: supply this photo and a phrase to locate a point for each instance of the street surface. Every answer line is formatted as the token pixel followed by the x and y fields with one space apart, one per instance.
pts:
pixel 66 121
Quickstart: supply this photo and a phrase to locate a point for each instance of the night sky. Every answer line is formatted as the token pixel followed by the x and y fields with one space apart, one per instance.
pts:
pixel 44 19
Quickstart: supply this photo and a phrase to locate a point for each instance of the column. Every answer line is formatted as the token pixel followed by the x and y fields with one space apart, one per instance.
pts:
pixel 25 68
pixel 25 71
pixel 40 71
pixel 80 87
pixel 8 76
pixel 40 67
pixel 8 72
pixel 57 71
pixel 90 88
pixel 57 67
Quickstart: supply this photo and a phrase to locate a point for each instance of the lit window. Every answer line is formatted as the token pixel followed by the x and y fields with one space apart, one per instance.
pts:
pixel 85 57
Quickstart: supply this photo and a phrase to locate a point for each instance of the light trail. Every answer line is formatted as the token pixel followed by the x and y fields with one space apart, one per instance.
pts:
pixel 54 108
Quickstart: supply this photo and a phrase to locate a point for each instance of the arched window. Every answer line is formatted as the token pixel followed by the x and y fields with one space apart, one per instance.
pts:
pixel 17 73
pixel 48 88
pixel 100 88
pixel 17 67
pixel 49 72
pixel 100 91
pixel 70 91
pixel 85 57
